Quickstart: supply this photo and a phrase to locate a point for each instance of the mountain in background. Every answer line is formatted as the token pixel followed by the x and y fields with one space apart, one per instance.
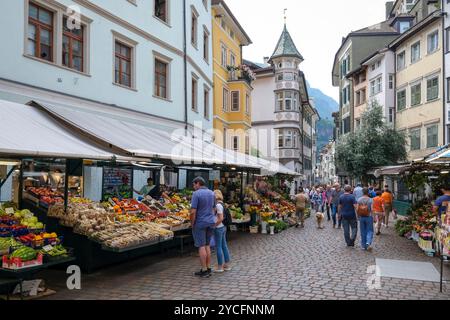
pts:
pixel 325 105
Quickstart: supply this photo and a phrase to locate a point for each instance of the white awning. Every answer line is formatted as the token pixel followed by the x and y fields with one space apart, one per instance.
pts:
pixel 442 156
pixel 144 138
pixel 28 132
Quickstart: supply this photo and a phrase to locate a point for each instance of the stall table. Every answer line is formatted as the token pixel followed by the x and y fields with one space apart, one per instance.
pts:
pixel 21 275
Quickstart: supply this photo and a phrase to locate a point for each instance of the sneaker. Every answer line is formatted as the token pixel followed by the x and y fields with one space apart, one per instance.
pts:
pixel 210 270
pixel 219 270
pixel 202 274
pixel 227 268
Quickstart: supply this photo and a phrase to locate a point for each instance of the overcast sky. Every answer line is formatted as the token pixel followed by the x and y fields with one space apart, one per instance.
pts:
pixel 317 28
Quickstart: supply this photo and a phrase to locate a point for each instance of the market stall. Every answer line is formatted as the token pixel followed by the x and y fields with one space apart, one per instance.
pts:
pixel 83 156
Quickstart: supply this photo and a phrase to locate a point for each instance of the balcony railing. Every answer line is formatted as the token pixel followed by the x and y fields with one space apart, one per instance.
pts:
pixel 242 73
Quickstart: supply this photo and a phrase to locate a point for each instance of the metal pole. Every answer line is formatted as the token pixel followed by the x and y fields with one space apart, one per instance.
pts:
pixel 20 195
pixel 66 187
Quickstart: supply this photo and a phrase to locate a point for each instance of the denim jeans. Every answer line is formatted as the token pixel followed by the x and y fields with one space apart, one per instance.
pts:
pixel 366 226
pixel 334 215
pixel 223 254
pixel 353 225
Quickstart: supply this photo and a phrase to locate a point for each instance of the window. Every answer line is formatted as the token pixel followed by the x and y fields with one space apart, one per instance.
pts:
pixel 224 56
pixel 194 28
pixel 280 77
pixel 161 10
pixel 225 99
pixel 415 137
pixel 447 39
pixel 362 77
pixel 346 125
pixel 346 95
pixel 401 61
pixel 206 45
pixel 358 98
pixel 391 115
pixel 415 52
pixel 433 42
pixel 161 83
pixel 287 101
pixel 363 96
pixel 223 24
pixel 232 59
pixel 236 143
pixel 123 64
pixel 391 81
pixel 206 103
pixel 448 90
pixel 40 32
pixel 194 94
pixel 432 89
pixel 235 105
pixel 287 138
pixel 247 104
pixel 289 76
pixel 416 94
pixel 432 136
pixel 376 86
pixel 358 124
pixel 231 34
pixel 404 26
pixel 401 100
pixel 72 49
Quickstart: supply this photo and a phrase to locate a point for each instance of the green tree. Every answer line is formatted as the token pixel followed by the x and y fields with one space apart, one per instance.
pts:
pixel 375 144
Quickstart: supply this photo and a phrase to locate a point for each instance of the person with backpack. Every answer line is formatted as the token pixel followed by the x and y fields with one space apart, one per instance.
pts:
pixel 223 217
pixel 364 211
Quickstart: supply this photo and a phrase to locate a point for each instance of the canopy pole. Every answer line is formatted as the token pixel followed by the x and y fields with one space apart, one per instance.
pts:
pixel 20 195
pixel 66 187
pixel 242 190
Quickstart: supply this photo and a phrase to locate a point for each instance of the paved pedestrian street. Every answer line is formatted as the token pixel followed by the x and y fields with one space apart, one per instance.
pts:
pixel 299 264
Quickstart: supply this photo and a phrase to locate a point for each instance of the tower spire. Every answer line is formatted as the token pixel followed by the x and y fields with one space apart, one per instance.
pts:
pixel 285 17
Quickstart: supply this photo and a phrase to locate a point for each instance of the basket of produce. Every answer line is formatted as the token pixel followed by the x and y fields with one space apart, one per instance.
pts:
pixel 24 257
pixel 56 253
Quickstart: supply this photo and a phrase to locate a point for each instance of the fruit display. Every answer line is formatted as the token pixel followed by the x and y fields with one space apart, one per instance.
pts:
pixel 7 243
pixel 44 196
pixel 24 254
pixel 130 235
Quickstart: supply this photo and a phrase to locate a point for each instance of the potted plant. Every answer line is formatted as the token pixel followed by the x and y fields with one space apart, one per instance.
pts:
pixel 265 218
pixel 272 224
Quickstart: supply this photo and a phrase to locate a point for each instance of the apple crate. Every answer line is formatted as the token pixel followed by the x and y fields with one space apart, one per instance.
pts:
pixel 17 263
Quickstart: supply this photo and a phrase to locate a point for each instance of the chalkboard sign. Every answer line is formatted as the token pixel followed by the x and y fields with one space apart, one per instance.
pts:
pixel 117 183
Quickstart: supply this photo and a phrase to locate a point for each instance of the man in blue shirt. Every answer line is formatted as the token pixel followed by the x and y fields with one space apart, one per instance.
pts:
pixel 347 211
pixel 203 221
pixel 358 192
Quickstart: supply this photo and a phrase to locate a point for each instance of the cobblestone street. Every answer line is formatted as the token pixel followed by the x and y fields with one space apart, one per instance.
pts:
pixel 295 265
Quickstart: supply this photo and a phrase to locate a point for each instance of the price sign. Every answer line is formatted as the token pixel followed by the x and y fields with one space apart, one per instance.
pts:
pixel 233 228
pixel 9 210
pixel 48 248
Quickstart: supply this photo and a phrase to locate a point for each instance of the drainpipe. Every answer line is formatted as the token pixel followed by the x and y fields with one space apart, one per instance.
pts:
pixel 444 80
pixel 185 68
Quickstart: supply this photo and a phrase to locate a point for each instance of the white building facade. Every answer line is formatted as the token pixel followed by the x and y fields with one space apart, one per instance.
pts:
pixel 122 55
pixel 446 32
pixel 381 82
pixel 327 167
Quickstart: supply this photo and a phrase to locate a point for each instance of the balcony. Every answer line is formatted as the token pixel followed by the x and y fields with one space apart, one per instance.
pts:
pixel 241 73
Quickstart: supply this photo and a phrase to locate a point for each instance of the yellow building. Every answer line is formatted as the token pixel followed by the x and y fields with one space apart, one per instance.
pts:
pixel 419 86
pixel 232 81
